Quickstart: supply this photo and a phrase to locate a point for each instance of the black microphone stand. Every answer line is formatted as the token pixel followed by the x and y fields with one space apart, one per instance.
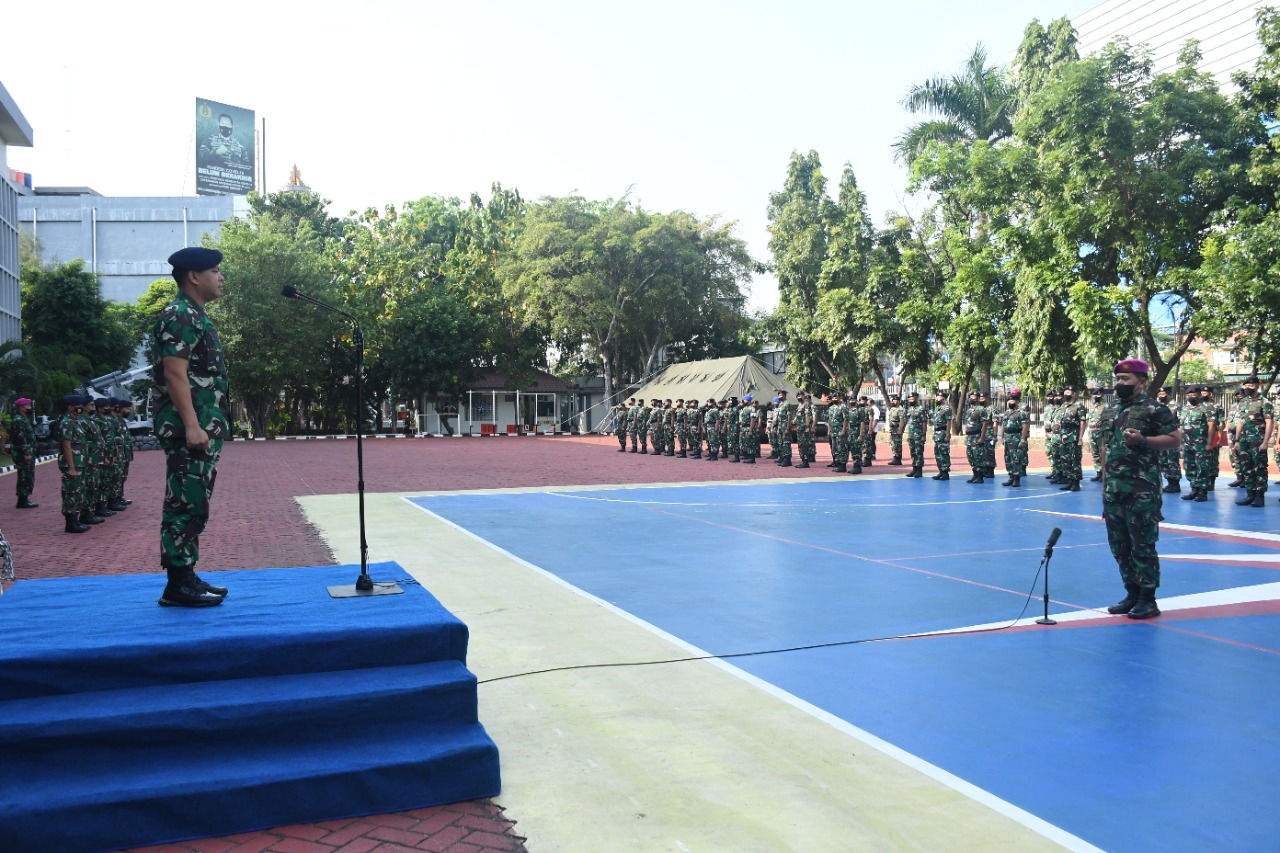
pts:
pixel 1044 564
pixel 364 585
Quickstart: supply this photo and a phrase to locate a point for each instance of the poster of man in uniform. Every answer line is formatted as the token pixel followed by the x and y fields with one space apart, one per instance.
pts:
pixel 224 149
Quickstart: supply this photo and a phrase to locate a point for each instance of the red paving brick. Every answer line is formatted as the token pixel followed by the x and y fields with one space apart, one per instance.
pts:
pixel 257 523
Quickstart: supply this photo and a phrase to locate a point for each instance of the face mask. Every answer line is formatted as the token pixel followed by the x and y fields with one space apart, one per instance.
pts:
pixel 1249 392
pixel 1195 401
pixel 1097 399
pixel 1012 405
pixel 1125 392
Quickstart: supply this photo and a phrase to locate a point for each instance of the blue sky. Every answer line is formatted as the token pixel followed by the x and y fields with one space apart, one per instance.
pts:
pixel 694 106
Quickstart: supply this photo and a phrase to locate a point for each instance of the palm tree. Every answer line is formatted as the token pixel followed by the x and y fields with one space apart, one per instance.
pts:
pixel 976 103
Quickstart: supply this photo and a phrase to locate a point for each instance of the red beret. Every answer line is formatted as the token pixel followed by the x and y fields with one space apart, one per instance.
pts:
pixel 1132 365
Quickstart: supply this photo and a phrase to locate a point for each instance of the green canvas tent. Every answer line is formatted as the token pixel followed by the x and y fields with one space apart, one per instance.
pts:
pixel 715 379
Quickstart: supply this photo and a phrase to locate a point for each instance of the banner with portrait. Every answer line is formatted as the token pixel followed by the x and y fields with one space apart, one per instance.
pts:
pixel 225 163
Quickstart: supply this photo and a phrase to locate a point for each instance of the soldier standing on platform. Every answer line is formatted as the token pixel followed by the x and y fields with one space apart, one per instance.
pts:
pixel 895 422
pixel 1097 421
pixel 1253 437
pixel 838 432
pixel 1170 460
pixel 1196 421
pixel 1131 497
pixel 941 420
pixel 22 439
pixel 975 436
pixel 915 420
pixel 1015 429
pixel 70 435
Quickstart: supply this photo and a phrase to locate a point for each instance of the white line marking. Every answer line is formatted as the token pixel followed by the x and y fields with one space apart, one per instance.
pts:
pixel 968 789
pixel 808 504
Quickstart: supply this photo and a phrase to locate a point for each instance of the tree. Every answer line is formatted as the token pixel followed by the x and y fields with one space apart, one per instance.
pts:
pixel 976 103
pixel 63 312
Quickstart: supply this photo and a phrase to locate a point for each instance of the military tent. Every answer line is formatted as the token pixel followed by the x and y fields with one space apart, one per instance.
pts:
pixel 715 379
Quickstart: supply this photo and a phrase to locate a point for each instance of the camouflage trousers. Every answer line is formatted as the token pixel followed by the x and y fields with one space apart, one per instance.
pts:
pixel 839 448
pixel 869 448
pixel 1015 456
pixel 73 499
pixel 990 454
pixel 1133 528
pixel 784 446
pixel 1200 462
pixel 750 445
pixel 713 443
pixel 808 446
pixel 854 442
pixel 634 435
pixel 1170 463
pixel 682 438
pixel 895 445
pixel 732 442
pixel 915 444
pixel 1096 437
pixel 622 438
pixel 26 477
pixel 976 452
pixel 188 485
pixel 1253 463
pixel 1051 450
pixel 1069 456
pixel 941 452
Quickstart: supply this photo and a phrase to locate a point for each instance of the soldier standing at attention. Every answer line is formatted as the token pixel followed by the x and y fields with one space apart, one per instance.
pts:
pixel 806 430
pixel 749 428
pixel 915 420
pixel 695 427
pixel 1097 421
pixel 1051 403
pixel 941 419
pixel 127 455
pixel 1209 399
pixel 1233 421
pixel 975 428
pixel 682 429
pixel 106 422
pixel 712 424
pixel 70 435
pixel 668 429
pixel 838 432
pixel 1071 427
pixel 992 418
pixel 620 414
pixel 191 421
pixel 785 419
pixel 95 458
pixel 1253 436
pixel 633 424
pixel 1170 460
pixel 22 437
pixel 1015 428
pixel 732 430
pixel 895 422
pixel 856 433
pixel 1196 423
pixel 1131 487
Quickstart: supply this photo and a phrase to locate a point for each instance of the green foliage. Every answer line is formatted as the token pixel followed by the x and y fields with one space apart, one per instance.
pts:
pixel 976 103
pixel 64 314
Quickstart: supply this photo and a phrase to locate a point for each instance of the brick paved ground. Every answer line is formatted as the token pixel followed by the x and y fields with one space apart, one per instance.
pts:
pixel 257 523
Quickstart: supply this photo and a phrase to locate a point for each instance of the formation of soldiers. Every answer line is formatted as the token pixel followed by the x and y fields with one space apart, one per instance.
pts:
pixel 95 451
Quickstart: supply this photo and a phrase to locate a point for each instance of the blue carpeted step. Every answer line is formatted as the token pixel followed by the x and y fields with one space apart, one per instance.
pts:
pixel 70 635
pixel 88 728
pixel 215 789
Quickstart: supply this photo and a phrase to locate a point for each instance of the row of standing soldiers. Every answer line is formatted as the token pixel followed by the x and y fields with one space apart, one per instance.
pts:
pixel 984 428
pixel 729 429
pixel 96 449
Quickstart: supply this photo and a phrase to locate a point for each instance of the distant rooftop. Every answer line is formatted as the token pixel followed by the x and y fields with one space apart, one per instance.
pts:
pixel 67 191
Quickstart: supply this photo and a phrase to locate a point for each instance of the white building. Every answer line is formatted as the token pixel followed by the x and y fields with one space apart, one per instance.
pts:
pixel 16 131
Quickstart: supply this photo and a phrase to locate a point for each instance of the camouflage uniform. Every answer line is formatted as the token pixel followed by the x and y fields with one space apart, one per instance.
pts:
pixel 73 487
pixel 1254 413
pixel 1015 446
pixel 975 426
pixel 916 418
pixel 1049 417
pixel 1215 452
pixel 1131 497
pixel 712 423
pixel 1171 460
pixel 183 330
pixel 837 433
pixel 633 427
pixel 1194 421
pixel 940 417
pixel 749 423
pixel 1098 420
pixel 95 461
pixel 894 419
pixel 785 419
pixel 989 442
pixel 682 430
pixel 733 432
pixel 695 430
pixel 1070 415
pixel 806 432
pixel 1233 453
pixel 620 417
pixel 22 436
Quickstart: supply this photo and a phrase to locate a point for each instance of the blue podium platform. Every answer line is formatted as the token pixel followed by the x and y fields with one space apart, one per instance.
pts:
pixel 129 724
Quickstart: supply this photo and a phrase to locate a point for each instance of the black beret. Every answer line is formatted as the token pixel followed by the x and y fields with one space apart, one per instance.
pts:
pixel 72 400
pixel 1165 389
pixel 1070 388
pixel 87 400
pixel 196 258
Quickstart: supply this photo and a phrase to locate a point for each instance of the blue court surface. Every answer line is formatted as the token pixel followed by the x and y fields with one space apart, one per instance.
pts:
pixel 1157 735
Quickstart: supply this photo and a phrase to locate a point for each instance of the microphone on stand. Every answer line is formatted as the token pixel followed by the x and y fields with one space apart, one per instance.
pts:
pixel 1053 540
pixel 1048 553
pixel 364 584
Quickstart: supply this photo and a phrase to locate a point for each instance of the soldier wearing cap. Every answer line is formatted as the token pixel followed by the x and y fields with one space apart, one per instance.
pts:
pixel 1171 460
pixel 785 420
pixel 895 421
pixel 856 435
pixel 696 413
pixel 915 420
pixel 95 461
pixel 711 421
pixel 1072 422
pixel 975 427
pixel 633 423
pixel 1098 421
pixel 1197 423
pixel 191 420
pixel 1253 436
pixel 70 436
pixel 22 437
pixel 1015 429
pixel 749 429
pixel 1131 496
pixel 1233 420
pixel 620 414
pixel 123 405
pixel 940 417
pixel 989 440
pixel 838 432
pixel 1049 417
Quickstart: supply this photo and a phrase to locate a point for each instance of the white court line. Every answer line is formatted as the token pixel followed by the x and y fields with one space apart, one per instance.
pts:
pixel 852 504
pixel 968 789
pixel 1187 528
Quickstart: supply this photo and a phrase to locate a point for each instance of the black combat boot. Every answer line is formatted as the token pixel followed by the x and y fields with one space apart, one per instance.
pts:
pixel 1017 480
pixel 73 524
pixel 1097 478
pixel 750 460
pixel 917 471
pixel 1125 604
pixel 1191 495
pixel 1074 487
pixel 220 591
pixel 1008 482
pixel 938 476
pixel 784 463
pixel 855 468
pixel 897 460
pixel 1066 486
pixel 1201 496
pixel 839 469
pixel 120 505
pixel 87 517
pixel 634 450
pixel 645 451
pixel 804 463
pixel 103 511
pixel 1173 487
pixel 622 450
pixel 736 458
pixel 1146 606
pixel 24 502
pixel 1234 484
pixel 1246 499
pixel 682 455
pixel 184 590
pixel 867 462
pixel 669 453
pixel 1259 499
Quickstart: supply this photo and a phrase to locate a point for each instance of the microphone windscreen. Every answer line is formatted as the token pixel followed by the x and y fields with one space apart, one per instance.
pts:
pixel 1053 537
pixel 290 291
